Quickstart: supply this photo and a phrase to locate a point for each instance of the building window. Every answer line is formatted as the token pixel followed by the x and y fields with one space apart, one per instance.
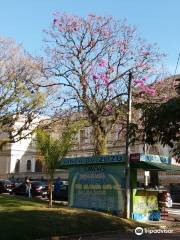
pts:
pixel 17 166
pixel 28 166
pixel 82 136
pixel 153 150
pixel 38 166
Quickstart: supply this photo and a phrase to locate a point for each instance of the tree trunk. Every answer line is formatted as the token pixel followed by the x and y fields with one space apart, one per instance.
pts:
pixel 50 191
pixel 100 140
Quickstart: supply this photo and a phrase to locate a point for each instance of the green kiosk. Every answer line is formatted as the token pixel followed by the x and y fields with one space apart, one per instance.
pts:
pixel 98 183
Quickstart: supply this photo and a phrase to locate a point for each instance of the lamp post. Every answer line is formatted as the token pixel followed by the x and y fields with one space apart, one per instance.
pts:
pixel 127 165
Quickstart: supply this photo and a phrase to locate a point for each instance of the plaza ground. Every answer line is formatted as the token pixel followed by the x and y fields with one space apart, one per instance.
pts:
pixel 26 219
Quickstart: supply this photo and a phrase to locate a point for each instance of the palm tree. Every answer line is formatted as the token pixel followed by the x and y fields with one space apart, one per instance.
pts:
pixel 54 150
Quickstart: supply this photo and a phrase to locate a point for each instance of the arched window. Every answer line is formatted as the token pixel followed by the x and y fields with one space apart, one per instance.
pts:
pixel 38 166
pixel 28 166
pixel 17 166
pixel 153 150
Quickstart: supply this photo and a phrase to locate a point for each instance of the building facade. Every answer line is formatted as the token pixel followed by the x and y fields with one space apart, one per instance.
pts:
pixel 22 159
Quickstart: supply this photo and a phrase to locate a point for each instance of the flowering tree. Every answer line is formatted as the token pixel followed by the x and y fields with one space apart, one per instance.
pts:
pixel 161 119
pixel 19 97
pixel 90 60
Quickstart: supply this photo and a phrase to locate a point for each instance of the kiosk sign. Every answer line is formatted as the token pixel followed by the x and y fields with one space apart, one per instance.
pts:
pixel 99 187
pixel 138 157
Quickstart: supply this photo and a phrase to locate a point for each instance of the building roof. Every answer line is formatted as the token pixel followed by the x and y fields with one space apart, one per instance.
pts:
pixel 154 166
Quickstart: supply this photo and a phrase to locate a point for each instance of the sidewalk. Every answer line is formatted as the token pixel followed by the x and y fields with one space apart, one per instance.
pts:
pixel 169 224
pixel 129 235
pixel 120 236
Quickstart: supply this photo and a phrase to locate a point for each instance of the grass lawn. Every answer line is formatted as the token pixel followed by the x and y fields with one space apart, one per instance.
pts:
pixel 21 218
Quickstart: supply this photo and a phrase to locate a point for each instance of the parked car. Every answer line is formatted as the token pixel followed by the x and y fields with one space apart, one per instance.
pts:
pixel 38 188
pixel 60 191
pixel 6 186
pixel 174 189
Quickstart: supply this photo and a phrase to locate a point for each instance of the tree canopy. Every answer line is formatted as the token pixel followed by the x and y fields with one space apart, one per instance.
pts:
pixel 20 99
pixel 89 61
pixel 54 149
pixel 162 122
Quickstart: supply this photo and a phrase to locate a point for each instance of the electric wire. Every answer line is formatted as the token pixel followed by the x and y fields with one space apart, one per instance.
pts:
pixel 176 68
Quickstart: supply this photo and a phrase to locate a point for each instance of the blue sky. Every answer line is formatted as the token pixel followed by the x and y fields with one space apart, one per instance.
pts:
pixel 156 20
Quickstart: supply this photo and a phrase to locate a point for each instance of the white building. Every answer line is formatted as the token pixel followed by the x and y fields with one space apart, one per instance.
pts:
pixel 21 158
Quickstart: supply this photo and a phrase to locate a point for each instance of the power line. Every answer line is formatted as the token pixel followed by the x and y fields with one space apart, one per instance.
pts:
pixel 176 68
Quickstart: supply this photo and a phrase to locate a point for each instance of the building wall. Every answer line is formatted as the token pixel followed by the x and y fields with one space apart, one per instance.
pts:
pixel 25 150
pixel 165 178
pixel 14 156
pixel 4 164
pixel 116 144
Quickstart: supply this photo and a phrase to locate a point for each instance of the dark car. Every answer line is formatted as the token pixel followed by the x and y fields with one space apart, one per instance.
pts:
pixel 175 192
pixel 6 186
pixel 38 188
pixel 60 191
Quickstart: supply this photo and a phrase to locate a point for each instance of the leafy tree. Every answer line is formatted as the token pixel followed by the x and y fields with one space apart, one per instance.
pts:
pixel 90 59
pixel 55 149
pixel 162 122
pixel 20 99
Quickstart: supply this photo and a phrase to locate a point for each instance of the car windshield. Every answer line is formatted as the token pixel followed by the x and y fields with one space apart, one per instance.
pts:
pixel 5 181
pixel 38 184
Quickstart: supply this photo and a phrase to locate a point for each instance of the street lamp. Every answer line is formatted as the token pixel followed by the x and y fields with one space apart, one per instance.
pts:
pixel 127 165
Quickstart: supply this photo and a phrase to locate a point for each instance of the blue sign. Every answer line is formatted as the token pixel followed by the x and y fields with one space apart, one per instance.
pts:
pixel 93 160
pixel 154 158
pixel 100 187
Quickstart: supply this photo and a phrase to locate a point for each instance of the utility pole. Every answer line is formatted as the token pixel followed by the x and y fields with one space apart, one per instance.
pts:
pixel 127 167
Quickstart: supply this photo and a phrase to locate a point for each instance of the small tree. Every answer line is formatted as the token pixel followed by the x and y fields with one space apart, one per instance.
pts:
pixel 54 150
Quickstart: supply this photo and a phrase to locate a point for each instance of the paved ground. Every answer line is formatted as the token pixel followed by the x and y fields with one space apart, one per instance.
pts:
pixel 121 236
pixel 174 213
pixel 172 223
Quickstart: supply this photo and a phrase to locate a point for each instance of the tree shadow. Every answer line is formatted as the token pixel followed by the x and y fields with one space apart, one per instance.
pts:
pixel 26 225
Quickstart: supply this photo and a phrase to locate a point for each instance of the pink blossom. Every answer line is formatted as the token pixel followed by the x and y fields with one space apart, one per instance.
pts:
pixel 98 17
pixel 123 51
pixel 91 15
pixel 92 43
pixel 103 63
pixel 148 89
pixel 55 21
pixel 97 86
pixel 109 108
pixel 144 79
pixel 95 77
pixel 106 33
pixel 151 91
pixel 104 78
pixel 164 98
pixel 146 53
pixel 111 69
pixel 141 64
pixel 139 81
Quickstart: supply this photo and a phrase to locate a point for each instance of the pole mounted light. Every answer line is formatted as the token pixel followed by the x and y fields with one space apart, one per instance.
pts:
pixel 127 165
